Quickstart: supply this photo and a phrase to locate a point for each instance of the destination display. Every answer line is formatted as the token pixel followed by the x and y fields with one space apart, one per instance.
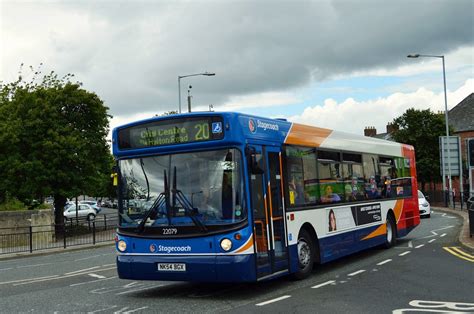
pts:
pixel 171 132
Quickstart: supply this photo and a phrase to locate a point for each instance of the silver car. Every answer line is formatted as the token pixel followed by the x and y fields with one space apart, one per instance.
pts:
pixel 84 210
pixel 425 208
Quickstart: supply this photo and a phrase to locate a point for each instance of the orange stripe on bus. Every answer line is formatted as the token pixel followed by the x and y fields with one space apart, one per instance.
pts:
pixel 382 229
pixel 398 210
pixel 306 135
pixel 246 246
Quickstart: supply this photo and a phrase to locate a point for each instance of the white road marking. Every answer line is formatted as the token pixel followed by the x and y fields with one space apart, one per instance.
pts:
pixel 419 246
pixel 410 244
pixel 104 290
pixel 29 279
pixel 56 277
pixel 36 265
pixel 444 215
pixel 97 276
pixel 330 282
pixel 1 269
pixel 356 272
pixel 108 308
pixel 384 262
pixel 121 310
pixel 92 281
pixel 107 265
pixel 434 233
pixel 82 270
pixel 89 257
pixel 273 300
pixel 135 290
pixel 431 241
pixel 444 234
pixel 140 308
pixel 404 253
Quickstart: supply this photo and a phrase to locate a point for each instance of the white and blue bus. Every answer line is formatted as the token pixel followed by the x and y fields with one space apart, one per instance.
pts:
pixel 229 197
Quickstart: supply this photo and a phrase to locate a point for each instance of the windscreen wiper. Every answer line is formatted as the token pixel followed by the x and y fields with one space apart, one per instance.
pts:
pixel 162 199
pixel 187 206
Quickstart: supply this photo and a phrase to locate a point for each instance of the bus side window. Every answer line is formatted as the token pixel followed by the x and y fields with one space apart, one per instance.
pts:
pixel 370 164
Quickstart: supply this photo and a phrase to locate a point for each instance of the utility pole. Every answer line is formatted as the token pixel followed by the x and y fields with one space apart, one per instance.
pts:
pixel 189 98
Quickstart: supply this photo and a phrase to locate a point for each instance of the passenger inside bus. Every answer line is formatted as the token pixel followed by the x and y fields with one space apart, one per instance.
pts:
pixel 329 196
pixel 296 191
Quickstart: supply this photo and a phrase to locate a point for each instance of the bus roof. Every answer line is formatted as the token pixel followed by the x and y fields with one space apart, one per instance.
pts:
pixel 241 128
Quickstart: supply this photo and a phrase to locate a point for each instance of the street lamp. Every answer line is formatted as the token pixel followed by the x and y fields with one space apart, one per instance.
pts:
pixel 183 76
pixel 446 121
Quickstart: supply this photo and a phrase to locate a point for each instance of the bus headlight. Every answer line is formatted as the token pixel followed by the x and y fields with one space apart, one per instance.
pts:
pixel 122 245
pixel 226 244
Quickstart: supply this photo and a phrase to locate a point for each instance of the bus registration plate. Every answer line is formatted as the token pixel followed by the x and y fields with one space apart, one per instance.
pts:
pixel 171 267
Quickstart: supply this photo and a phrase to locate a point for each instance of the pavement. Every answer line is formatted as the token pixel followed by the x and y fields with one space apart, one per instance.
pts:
pixel 464 237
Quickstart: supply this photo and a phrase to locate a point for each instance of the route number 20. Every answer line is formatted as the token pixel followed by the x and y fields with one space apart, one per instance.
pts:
pixel 202 132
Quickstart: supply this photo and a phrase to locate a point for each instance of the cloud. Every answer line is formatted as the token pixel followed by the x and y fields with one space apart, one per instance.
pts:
pixel 353 116
pixel 131 54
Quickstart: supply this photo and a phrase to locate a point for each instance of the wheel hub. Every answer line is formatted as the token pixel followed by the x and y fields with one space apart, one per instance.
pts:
pixel 304 253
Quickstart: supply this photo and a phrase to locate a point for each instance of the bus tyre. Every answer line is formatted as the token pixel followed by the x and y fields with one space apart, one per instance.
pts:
pixel 305 255
pixel 391 235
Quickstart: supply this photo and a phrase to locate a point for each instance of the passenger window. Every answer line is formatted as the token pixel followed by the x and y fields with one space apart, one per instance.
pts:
pixel 371 176
pixel 331 186
pixel 302 176
pixel 388 171
pixel 354 182
pixel 401 187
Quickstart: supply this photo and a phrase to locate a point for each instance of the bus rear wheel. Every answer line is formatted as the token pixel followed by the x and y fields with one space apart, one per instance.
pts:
pixel 391 235
pixel 305 255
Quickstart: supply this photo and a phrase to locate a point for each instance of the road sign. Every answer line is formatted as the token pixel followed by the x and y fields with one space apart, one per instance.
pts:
pixel 453 161
pixel 470 151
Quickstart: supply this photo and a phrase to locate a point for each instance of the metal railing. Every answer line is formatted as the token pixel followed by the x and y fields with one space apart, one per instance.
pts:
pixel 71 233
pixel 441 198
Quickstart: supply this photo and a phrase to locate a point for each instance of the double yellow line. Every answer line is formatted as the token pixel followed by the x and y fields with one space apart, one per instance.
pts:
pixel 460 253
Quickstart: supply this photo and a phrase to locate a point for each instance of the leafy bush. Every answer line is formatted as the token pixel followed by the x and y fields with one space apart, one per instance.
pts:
pixel 12 204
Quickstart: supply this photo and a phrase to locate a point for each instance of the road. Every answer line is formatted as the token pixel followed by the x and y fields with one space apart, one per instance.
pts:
pixel 426 270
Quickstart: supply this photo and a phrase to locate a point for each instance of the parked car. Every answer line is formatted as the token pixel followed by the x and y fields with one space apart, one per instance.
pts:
pixel 107 203
pixel 425 208
pixel 94 205
pixel 84 210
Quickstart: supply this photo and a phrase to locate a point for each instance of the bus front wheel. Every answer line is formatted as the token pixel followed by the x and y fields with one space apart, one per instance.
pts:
pixel 305 255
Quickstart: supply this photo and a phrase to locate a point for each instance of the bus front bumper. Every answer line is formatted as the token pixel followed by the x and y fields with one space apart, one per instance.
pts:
pixel 208 268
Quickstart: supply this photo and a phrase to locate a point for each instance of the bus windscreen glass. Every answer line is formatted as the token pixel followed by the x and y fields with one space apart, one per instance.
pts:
pixel 170 132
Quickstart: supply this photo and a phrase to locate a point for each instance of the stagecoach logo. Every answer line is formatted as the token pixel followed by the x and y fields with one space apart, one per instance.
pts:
pixel 152 248
pixel 262 125
pixel 252 126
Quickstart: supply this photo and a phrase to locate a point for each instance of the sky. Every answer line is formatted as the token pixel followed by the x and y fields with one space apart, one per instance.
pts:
pixel 334 64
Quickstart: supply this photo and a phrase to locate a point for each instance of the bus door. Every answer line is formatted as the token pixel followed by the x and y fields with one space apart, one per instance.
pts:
pixel 267 205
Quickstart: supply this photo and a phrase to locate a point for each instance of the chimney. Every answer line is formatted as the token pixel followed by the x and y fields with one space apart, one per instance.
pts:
pixel 370 131
pixel 391 127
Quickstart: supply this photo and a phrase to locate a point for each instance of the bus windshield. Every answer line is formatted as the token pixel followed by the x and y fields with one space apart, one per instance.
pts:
pixel 189 189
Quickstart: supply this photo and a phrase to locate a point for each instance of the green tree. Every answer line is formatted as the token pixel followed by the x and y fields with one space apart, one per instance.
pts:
pixel 421 129
pixel 52 140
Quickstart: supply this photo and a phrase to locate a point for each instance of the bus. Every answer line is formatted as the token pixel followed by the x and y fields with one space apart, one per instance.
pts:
pixel 231 197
